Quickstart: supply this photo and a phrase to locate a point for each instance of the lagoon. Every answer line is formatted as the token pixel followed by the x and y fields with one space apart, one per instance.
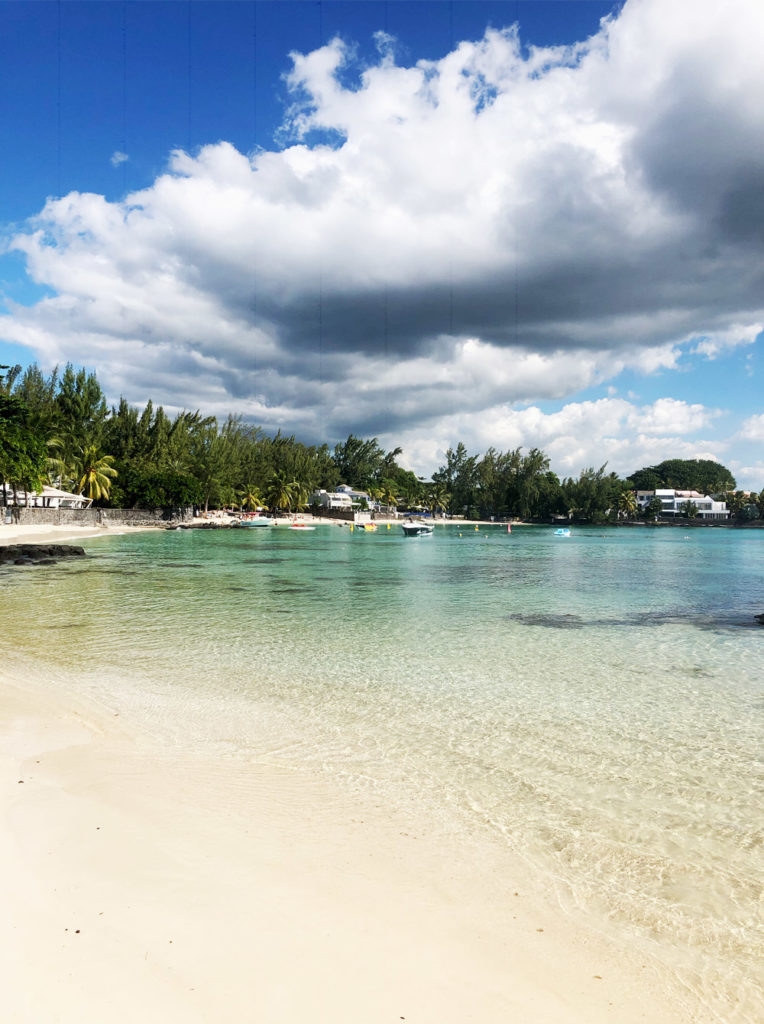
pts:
pixel 593 704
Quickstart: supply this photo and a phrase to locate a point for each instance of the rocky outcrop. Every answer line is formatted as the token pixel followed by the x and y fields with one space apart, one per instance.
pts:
pixel 38 554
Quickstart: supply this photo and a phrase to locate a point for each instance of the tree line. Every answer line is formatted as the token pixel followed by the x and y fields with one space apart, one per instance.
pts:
pixel 59 430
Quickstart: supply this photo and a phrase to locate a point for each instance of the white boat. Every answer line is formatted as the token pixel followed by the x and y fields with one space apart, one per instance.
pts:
pixel 300 526
pixel 417 528
pixel 255 521
pixel 562 532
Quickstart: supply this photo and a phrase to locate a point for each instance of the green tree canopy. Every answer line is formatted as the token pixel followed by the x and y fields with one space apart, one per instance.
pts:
pixel 460 478
pixel 594 496
pixel 280 493
pixel 23 454
pixel 165 460
pixel 703 475
pixel 360 463
pixel 80 411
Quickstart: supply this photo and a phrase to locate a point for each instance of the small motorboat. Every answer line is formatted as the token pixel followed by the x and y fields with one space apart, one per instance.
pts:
pixel 562 532
pixel 255 521
pixel 417 528
pixel 300 526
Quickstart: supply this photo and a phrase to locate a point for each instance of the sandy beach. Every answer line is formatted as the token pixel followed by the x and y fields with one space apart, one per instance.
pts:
pixel 151 882
pixel 147 884
pixel 13 533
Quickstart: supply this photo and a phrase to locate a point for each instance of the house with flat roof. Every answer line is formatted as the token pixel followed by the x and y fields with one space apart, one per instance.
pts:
pixel 331 499
pixel 674 503
pixel 355 496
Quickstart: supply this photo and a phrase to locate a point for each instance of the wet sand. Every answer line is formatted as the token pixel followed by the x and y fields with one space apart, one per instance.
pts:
pixel 155 884
pixel 46 534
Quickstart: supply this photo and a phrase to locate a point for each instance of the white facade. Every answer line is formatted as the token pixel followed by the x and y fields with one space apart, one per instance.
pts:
pixel 49 497
pixel 355 496
pixel 331 499
pixel 673 503
pixel 344 497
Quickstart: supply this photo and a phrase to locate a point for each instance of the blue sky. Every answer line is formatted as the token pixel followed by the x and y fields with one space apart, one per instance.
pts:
pixel 84 80
pixel 410 220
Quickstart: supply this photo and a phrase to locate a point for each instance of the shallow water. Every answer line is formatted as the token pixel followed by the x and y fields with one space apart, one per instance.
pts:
pixel 595 702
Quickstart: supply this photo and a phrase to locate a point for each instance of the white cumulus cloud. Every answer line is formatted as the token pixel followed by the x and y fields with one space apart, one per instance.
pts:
pixel 493 229
pixel 752 428
pixel 621 433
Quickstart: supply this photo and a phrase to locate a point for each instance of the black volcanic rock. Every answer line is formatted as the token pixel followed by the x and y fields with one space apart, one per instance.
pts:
pixel 40 554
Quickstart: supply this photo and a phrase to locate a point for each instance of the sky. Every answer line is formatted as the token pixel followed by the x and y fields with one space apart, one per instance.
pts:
pixel 511 224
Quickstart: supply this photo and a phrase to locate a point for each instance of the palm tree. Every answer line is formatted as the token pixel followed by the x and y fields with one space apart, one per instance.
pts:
pixel 374 491
pixel 627 504
pixel 250 497
pixel 438 498
pixel 299 495
pixel 59 472
pixel 279 492
pixel 388 495
pixel 93 473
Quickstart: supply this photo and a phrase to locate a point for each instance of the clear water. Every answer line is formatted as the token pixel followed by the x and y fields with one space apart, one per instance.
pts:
pixel 596 703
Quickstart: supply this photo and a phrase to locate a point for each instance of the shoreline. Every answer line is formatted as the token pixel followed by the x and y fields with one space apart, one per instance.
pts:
pixel 12 533
pixel 144 881
pixel 46 534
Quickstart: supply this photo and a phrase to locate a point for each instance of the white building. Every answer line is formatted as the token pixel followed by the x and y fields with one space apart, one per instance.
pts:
pixel 673 503
pixel 49 497
pixel 331 499
pixel 355 496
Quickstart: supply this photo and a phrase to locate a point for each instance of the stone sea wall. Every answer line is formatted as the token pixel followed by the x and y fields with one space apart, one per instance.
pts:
pixel 98 516
pixel 343 514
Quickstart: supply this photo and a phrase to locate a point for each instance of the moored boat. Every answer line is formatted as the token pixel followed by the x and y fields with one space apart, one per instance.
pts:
pixel 255 521
pixel 417 528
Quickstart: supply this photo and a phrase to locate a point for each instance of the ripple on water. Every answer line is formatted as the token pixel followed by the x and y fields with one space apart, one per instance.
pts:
pixel 596 706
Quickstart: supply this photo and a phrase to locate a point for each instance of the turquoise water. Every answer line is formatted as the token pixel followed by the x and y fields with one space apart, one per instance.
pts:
pixel 593 703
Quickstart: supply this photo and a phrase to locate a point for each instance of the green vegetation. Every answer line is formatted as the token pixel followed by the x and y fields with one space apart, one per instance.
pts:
pixel 702 475
pixel 60 430
pixel 23 455
pixel 653 508
pixel 745 507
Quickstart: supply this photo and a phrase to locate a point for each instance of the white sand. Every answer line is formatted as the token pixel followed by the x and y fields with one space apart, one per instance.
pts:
pixel 151 885
pixel 11 533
